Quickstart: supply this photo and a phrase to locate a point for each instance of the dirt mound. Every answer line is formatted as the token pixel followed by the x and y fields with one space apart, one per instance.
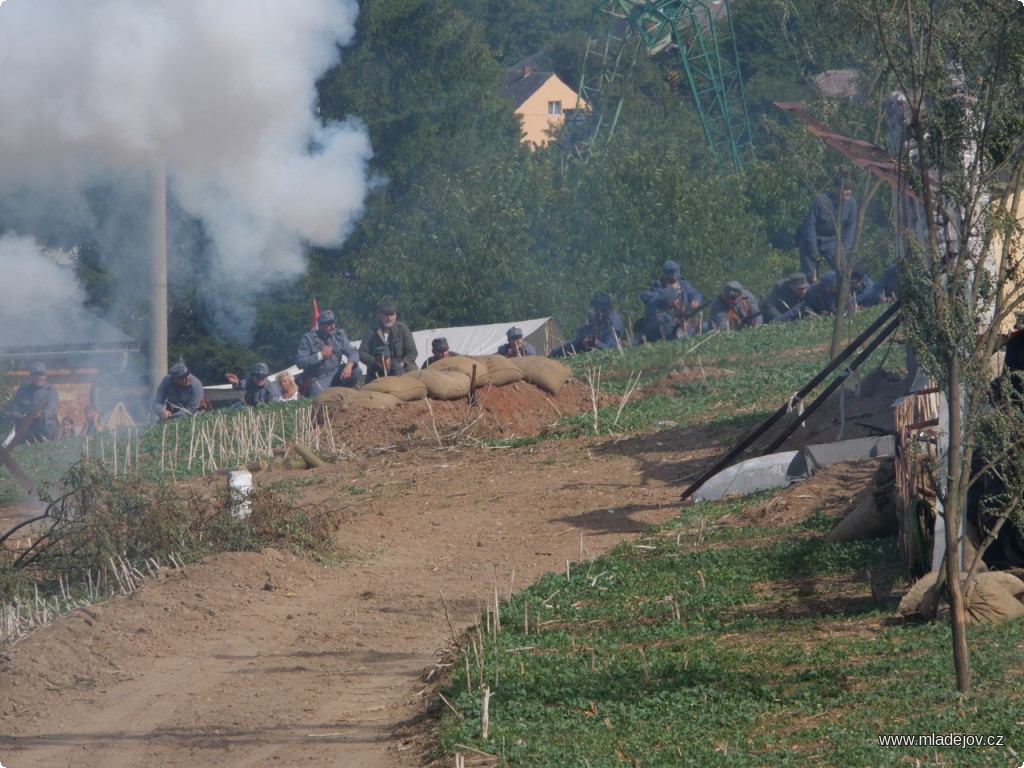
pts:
pixel 514 410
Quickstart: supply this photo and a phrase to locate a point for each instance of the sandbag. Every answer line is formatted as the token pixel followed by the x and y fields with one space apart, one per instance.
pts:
pixel 993 598
pixel 332 402
pixel 444 385
pixel 405 387
pixel 874 516
pixel 464 364
pixel 543 372
pixel 501 370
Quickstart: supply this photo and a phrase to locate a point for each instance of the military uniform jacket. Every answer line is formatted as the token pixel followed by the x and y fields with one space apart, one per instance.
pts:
pixel 780 300
pixel 399 341
pixel 745 313
pixel 819 230
pixel 527 350
pixel 686 293
pixel 323 369
pixel 180 401
pixel 254 395
pixel 36 399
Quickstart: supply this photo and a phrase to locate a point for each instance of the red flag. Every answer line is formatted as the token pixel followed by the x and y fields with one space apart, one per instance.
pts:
pixel 315 326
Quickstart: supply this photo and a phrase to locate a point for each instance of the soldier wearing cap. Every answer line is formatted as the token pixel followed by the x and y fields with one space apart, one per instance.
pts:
pixel 821 299
pixel 785 295
pixel 258 387
pixel 831 221
pixel 34 409
pixel 735 307
pixel 388 330
pixel 516 346
pixel 178 394
pixel 689 298
pixel 327 357
pixel 603 329
pixel 439 347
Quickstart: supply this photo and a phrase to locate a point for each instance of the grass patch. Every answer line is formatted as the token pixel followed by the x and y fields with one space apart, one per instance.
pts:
pixel 738 649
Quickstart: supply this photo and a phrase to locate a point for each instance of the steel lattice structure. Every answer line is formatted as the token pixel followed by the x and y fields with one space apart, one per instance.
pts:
pixel 699 34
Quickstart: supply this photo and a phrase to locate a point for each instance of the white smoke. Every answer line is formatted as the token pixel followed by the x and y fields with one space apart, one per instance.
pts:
pixel 96 93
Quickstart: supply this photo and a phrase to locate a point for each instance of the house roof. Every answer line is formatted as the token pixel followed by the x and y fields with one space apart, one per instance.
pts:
pixel 526 77
pixel 60 330
pixel 520 86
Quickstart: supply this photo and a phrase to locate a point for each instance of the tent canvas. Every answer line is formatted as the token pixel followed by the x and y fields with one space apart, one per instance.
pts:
pixel 541 332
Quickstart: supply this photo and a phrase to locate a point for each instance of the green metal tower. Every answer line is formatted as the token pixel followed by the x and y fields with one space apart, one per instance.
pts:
pixel 699 33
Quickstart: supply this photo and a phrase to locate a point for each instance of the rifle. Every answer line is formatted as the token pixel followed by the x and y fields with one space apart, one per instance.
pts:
pixel 683 316
pixel 24 423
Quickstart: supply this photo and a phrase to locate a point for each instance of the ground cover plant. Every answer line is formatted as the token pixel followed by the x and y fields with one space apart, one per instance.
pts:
pixel 715 640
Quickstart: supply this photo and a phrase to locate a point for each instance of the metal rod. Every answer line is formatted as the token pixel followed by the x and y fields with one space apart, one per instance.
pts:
pixel 744 443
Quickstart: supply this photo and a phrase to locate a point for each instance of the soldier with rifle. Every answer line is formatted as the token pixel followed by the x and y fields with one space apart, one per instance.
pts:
pixel 34 409
pixel 735 307
pixel 516 346
pixel 785 295
pixel 603 329
pixel 179 394
pixel 686 303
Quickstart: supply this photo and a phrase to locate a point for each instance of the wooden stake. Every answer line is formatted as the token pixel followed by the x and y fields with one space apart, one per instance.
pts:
pixel 485 714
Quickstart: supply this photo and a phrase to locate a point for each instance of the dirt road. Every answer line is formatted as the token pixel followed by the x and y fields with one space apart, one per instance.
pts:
pixel 266 659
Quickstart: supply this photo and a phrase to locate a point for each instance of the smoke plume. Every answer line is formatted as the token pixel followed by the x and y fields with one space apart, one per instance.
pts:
pixel 96 94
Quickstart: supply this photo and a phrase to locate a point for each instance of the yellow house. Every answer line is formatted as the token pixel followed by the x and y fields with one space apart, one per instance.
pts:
pixel 541 100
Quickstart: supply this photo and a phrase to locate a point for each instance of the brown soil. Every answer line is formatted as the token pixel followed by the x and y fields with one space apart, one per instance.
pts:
pixel 267 659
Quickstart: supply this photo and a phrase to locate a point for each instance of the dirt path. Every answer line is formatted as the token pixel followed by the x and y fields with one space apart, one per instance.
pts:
pixel 265 659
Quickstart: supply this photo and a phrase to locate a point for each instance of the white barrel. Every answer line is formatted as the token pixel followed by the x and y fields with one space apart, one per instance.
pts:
pixel 239 488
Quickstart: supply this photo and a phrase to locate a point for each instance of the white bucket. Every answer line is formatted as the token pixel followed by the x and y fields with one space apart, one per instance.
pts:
pixel 239 488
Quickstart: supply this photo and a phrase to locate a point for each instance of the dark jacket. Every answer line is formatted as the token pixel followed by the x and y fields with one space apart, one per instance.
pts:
pixel 602 331
pixel 819 229
pixel 399 341
pixel 780 300
pixel 38 402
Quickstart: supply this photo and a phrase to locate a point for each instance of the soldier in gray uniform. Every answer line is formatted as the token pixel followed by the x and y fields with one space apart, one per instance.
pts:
pixel 258 387
pixel 34 409
pixel 178 394
pixel 516 346
pixel 327 357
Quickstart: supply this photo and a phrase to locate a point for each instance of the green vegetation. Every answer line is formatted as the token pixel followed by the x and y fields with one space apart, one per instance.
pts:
pixel 713 640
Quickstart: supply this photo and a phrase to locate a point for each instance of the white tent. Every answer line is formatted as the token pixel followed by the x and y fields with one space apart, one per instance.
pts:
pixel 542 332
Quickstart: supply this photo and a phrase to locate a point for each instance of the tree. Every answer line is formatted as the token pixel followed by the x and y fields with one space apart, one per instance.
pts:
pixel 956 68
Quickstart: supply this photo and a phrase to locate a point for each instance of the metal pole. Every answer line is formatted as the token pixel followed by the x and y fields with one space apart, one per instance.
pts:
pixel 158 300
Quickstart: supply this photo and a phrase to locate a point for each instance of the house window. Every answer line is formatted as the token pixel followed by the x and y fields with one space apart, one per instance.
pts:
pixel 554 108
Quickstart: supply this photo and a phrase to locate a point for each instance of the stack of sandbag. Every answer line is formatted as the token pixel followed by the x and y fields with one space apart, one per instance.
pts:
pixel 992 597
pixel 448 379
